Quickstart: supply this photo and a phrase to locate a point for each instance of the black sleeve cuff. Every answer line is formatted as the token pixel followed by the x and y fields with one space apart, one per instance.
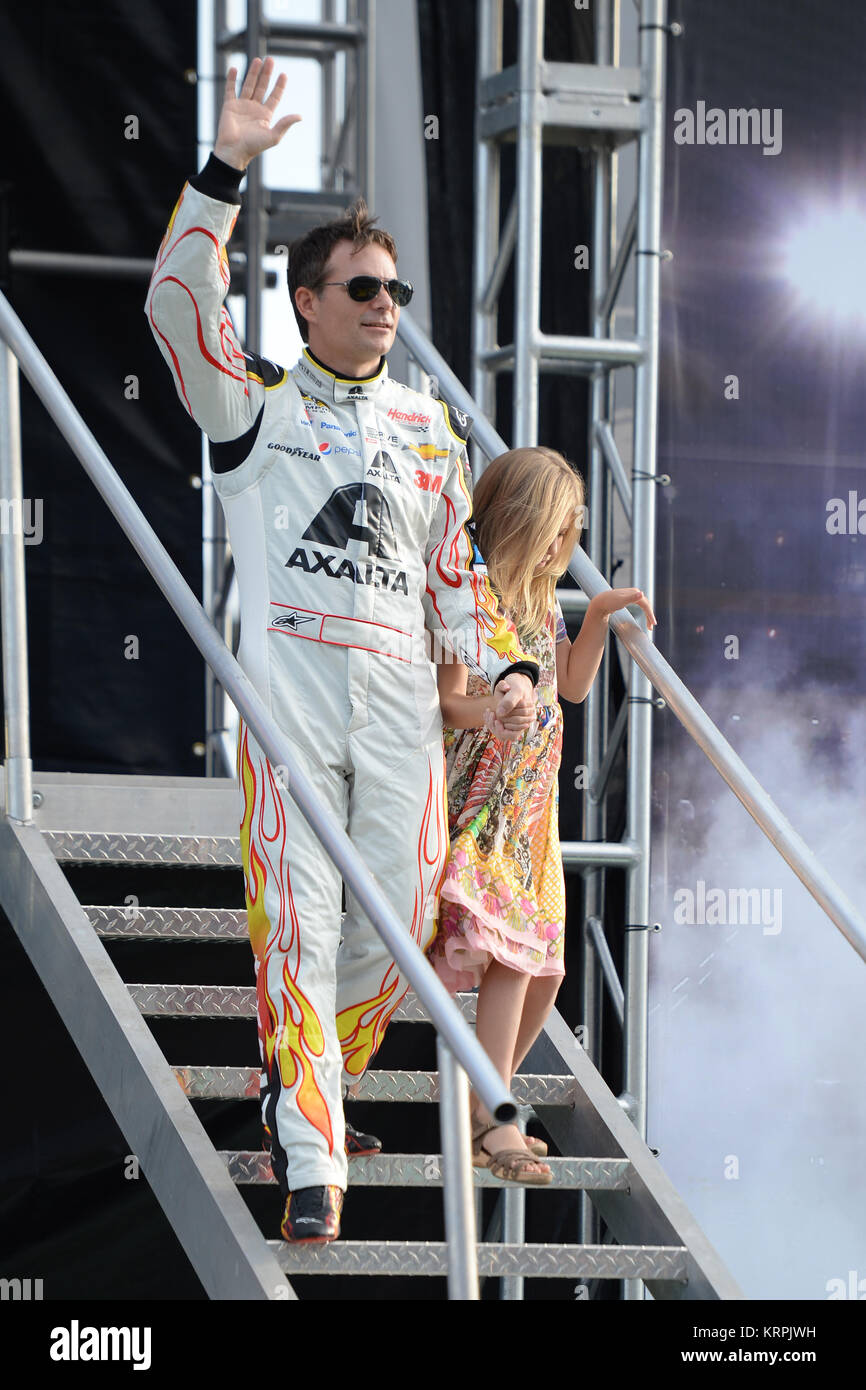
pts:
pixel 219 180
pixel 524 668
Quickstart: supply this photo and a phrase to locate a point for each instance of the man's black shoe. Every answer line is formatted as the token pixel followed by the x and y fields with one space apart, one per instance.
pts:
pixel 361 1145
pixel 312 1215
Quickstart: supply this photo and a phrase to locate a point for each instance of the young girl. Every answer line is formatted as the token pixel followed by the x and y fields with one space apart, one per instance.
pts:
pixel 502 907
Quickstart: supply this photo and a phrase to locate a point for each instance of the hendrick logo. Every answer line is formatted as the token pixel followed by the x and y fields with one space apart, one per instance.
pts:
pixel 408 417
pixel 358 392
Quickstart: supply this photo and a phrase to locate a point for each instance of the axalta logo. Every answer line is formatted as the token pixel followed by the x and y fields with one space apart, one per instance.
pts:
pixel 358 571
pixel 358 512
pixel 294 451
pixel 409 417
pixel 383 467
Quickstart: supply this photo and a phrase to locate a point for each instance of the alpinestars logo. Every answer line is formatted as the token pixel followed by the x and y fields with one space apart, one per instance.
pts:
pixel 356 511
pixel 292 620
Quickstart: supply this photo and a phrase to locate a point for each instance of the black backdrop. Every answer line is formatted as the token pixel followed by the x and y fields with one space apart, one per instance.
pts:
pixel 70 81
pixel 72 76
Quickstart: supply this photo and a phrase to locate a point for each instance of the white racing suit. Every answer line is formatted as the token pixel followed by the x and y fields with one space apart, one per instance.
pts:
pixel 346 504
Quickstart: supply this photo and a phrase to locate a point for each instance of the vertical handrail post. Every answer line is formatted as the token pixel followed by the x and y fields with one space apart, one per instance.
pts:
pixel 457 1185
pixel 13 600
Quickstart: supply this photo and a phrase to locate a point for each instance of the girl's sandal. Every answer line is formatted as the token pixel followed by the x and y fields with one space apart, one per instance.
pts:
pixel 513 1166
pixel 536 1147
pixel 480 1156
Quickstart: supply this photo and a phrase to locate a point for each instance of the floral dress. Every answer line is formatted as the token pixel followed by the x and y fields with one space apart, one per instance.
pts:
pixel 503 895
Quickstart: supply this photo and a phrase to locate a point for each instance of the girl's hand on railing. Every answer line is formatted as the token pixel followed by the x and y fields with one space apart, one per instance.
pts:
pixel 612 600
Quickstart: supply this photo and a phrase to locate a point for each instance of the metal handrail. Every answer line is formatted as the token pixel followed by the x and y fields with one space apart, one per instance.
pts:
pixel 449 1022
pixel 677 696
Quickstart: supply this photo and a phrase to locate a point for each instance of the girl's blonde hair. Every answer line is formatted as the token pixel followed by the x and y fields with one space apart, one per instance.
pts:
pixel 521 502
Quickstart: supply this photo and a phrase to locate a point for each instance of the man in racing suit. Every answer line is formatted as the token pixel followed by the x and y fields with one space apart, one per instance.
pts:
pixel 346 505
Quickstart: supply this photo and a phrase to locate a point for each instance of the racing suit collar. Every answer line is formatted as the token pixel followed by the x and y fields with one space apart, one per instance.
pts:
pixel 328 386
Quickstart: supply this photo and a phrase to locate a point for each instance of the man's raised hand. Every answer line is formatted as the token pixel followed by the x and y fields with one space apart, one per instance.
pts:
pixel 245 128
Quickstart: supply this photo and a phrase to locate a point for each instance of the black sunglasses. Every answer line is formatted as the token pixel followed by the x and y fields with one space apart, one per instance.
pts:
pixel 363 288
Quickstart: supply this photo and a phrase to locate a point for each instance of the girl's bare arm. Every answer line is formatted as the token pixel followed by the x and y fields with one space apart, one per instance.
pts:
pixel 577 662
pixel 459 710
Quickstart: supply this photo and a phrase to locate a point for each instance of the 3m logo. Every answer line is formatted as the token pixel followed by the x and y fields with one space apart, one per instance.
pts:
pixel 358 511
pixel 428 482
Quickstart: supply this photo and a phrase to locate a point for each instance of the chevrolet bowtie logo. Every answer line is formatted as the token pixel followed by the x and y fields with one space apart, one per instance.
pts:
pixel 293 620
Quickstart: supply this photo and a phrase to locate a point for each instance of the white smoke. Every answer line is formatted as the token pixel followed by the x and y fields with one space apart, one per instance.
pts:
pixel 757 1040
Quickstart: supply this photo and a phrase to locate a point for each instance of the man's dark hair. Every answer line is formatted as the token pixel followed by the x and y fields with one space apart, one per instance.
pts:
pixel 309 255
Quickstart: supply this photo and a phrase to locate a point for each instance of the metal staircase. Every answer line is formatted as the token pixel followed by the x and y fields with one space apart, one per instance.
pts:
pixel 651 1235
pixel 59 819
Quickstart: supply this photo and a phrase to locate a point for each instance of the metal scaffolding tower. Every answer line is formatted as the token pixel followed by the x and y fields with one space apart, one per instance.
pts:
pixel 598 107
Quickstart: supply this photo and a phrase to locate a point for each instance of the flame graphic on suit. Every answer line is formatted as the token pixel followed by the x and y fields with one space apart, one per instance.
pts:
pixel 290 1032
pixel 361 1026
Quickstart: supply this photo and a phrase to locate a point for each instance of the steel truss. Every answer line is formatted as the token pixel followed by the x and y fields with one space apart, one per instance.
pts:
pixel 597 107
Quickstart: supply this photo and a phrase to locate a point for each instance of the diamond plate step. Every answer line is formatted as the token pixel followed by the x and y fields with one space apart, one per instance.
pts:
pixel 533 1261
pixel 169 923
pixel 242 1083
pixel 239 1001
pixel 102 847
pixel 425 1170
